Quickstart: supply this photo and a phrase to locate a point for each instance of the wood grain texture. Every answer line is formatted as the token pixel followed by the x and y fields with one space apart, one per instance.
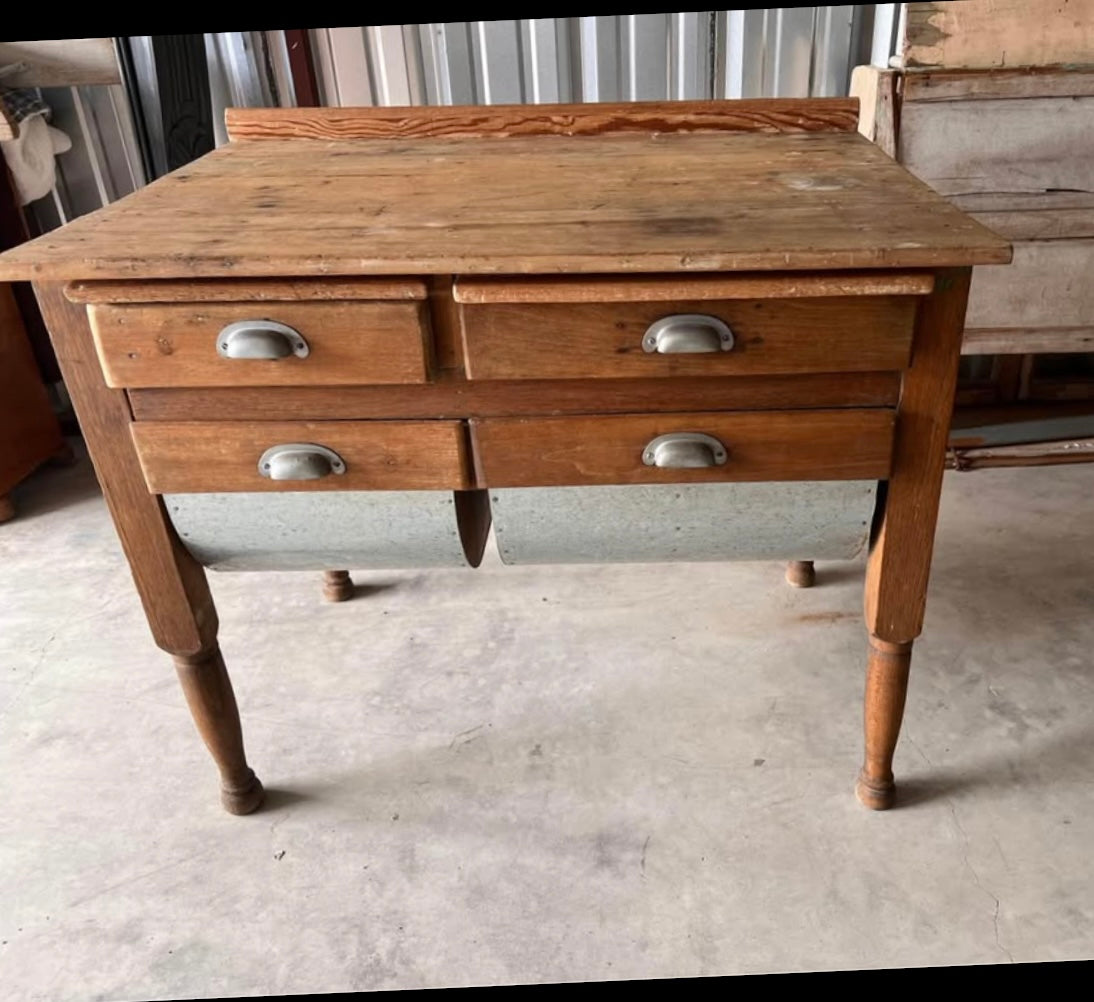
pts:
pixel 616 204
pixel 604 340
pixel 337 586
pixel 60 62
pixel 999 84
pixel 662 288
pixel 1027 340
pixel 1034 145
pixel 171 584
pixel 277 290
pixel 505 120
pixel 455 398
pixel 900 560
pixel 1047 286
pixel 175 344
pixel 29 430
pixel 558 452
pixel 876 90
pixel 201 457
pixel 1077 450
pixel 208 691
pixel 989 33
pixel 887 670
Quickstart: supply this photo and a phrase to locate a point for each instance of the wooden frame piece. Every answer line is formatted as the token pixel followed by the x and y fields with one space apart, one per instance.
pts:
pixel 773 115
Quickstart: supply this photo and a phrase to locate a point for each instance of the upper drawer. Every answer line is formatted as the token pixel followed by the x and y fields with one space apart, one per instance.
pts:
pixel 705 330
pixel 261 343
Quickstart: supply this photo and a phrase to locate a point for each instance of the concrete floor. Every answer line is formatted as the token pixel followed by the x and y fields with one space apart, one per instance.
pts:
pixel 530 775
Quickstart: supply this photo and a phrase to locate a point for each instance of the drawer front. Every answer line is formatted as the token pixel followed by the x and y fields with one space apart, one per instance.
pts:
pixel 687 337
pixel 214 457
pixel 684 448
pixel 195 344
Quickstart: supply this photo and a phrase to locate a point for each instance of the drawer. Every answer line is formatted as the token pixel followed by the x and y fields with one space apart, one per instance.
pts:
pixel 684 448
pixel 696 337
pixel 260 343
pixel 214 457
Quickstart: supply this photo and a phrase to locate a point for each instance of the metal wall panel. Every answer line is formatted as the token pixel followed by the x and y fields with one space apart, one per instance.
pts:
pixel 773 52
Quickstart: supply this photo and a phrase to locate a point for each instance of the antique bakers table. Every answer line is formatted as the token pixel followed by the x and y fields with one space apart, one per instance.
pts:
pixel 351 337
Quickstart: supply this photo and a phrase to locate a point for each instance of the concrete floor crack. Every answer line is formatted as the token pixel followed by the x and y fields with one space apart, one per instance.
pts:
pixel 996 904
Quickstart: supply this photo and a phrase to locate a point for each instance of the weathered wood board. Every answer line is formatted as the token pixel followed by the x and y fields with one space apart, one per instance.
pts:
pixel 995 33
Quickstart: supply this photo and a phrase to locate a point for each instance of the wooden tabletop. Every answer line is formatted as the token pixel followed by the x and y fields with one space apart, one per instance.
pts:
pixel 657 202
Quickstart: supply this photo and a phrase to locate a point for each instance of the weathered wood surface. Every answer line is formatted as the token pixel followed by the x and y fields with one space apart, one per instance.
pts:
pixel 61 62
pixel 558 452
pixel 1076 450
pixel 505 120
pixel 876 90
pixel 171 584
pixel 997 85
pixel 659 288
pixel 993 33
pixel 234 291
pixel 605 340
pixel 199 457
pixel 627 203
pixel 900 560
pixel 451 397
pixel 1047 286
pixel 973 146
pixel 1026 340
pixel 175 344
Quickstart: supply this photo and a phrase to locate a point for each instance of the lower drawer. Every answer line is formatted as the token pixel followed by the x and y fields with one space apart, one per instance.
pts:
pixel 284 456
pixel 848 444
pixel 381 530
pixel 825 520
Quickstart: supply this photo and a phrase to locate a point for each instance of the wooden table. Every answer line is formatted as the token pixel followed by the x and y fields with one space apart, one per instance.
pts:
pixel 604 323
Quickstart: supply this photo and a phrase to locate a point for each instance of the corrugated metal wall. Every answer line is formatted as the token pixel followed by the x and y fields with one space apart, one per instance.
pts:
pixel 774 52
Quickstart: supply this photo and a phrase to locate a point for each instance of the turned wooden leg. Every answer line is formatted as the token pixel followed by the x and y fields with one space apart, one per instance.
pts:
pixel 886 688
pixel 208 692
pixel 800 574
pixel 900 555
pixel 337 586
pixel 171 583
pixel 7 508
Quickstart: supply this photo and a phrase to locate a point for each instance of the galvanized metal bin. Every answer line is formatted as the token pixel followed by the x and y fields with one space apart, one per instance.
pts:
pixel 316 530
pixel 825 520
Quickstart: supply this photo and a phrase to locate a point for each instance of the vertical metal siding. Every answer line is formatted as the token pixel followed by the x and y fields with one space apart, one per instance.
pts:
pixel 773 52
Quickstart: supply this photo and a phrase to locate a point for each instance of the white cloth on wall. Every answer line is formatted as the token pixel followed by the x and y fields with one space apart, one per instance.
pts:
pixel 30 157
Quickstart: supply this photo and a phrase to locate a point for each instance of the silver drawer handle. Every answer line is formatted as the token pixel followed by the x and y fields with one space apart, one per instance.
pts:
pixel 300 461
pixel 687 334
pixel 684 450
pixel 262 339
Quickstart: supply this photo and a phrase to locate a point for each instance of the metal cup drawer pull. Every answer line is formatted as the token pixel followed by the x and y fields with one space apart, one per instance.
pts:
pixel 687 334
pixel 300 461
pixel 685 450
pixel 260 339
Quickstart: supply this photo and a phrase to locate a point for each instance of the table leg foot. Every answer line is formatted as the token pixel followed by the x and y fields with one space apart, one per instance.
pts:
pixel 886 688
pixel 801 574
pixel 208 692
pixel 7 508
pixel 337 586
